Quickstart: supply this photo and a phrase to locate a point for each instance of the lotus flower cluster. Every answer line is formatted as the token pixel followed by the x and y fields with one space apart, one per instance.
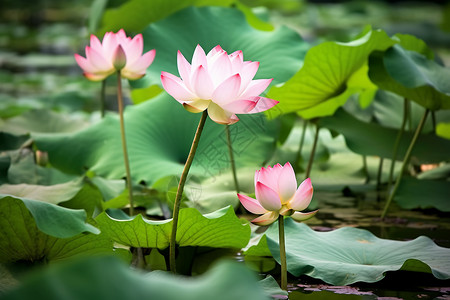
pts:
pixel 221 83
pixel 116 52
pixel 277 194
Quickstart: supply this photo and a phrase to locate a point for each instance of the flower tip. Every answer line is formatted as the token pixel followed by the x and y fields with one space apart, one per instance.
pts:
pixel 119 58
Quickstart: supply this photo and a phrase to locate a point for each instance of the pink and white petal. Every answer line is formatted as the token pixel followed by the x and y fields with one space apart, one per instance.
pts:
pixel 196 106
pixel 175 87
pixel 199 58
pixel 247 72
pixel 219 68
pixel 227 91
pixel 240 106
pixel 255 88
pixel 184 69
pixel 266 219
pixel 287 183
pixel 109 44
pixel 267 197
pixel 302 196
pixel 237 60
pixel 266 177
pixel 96 76
pixel 141 65
pixel 134 48
pixel 220 116
pixel 95 43
pixel 202 84
pixel 214 51
pixel 299 217
pixel 98 61
pixel 131 75
pixel 252 205
pixel 84 64
pixel 263 104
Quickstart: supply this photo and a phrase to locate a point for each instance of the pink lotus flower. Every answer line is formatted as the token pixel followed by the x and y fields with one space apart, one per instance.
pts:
pixel 276 193
pixel 115 52
pixel 221 83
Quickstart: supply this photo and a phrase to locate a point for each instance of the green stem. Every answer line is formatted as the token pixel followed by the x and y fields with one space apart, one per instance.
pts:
pixel 233 165
pixel 405 162
pixel 313 151
pixel 283 283
pixel 176 206
pixel 124 143
pixel 103 98
pixel 302 140
pixel 365 170
pixel 380 171
pixel 397 142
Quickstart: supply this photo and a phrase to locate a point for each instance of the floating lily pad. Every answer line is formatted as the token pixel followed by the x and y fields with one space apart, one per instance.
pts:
pixel 349 255
pixel 325 74
pixel 159 136
pixel 39 231
pixel 280 52
pixel 108 278
pixel 220 229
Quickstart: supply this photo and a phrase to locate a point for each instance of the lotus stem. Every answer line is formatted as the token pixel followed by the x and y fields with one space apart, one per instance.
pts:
pixel 313 152
pixel 103 98
pixel 397 142
pixel 283 263
pixel 232 162
pixel 124 143
pixel 302 140
pixel 176 205
pixel 405 162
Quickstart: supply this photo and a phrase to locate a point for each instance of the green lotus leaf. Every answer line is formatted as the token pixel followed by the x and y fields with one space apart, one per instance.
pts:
pixel 39 231
pixel 107 278
pixel 219 229
pixel 412 76
pixel 443 130
pixel 372 139
pixel 280 52
pixel 159 136
pixel 46 193
pixel 44 121
pixel 413 193
pixel 51 219
pixel 349 255
pixel 134 15
pixel 326 71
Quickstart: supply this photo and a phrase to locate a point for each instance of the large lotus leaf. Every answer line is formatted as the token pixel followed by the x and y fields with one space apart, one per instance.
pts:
pixel 39 231
pixel 220 229
pixel 51 219
pixel 372 139
pixel 326 71
pixel 108 278
pixel 412 76
pixel 413 193
pixel 134 15
pixel 349 255
pixel 159 136
pixel 280 52
pixel 51 194
pixel 42 120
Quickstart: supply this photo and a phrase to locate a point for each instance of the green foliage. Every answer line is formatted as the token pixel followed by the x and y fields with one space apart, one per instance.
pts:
pixel 38 231
pixel 108 278
pixel 412 76
pixel 158 145
pixel 349 255
pixel 326 73
pixel 280 52
pixel 372 139
pixel 220 229
pixel 414 193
